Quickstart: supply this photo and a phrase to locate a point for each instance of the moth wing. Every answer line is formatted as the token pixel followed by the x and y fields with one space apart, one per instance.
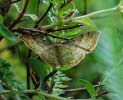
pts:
pixel 36 44
pixel 70 55
pixel 50 57
pixel 86 41
pixel 74 51
pixel 42 48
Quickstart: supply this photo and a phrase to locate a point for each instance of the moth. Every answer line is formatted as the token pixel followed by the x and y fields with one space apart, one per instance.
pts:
pixel 68 53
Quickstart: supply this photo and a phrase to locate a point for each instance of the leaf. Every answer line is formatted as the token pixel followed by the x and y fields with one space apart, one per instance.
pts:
pixel 90 88
pixel 121 14
pixel 6 33
pixel 32 16
pixel 1 19
pixel 100 98
pixel 38 67
pixel 87 21
pixel 63 68
pixel 16 6
pixel 61 86
pixel 121 2
pixel 65 78
pixel 73 4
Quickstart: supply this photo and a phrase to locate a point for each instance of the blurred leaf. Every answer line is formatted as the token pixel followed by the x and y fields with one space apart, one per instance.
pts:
pixel 36 97
pixel 38 67
pixel 6 33
pixel 63 68
pixel 65 79
pixel 121 13
pixel 121 2
pixel 87 21
pixel 73 4
pixel 61 86
pixel 1 19
pixel 32 16
pixel 100 99
pixel 115 77
pixel 57 91
pixel 16 6
pixel 90 88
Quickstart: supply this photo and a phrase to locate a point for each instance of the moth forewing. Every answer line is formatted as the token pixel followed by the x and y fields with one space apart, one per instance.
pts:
pixel 86 41
pixel 43 48
pixel 36 44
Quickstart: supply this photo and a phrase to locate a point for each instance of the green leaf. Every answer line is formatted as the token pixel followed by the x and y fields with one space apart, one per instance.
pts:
pixel 6 33
pixel 63 68
pixel 121 2
pixel 65 78
pixel 90 88
pixel 32 16
pixel 121 14
pixel 16 6
pixel 87 21
pixel 61 86
pixel 100 98
pixel 38 67
pixel 1 19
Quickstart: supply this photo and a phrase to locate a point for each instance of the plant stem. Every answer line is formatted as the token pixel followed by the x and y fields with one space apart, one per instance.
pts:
pixel 5 92
pixel 85 7
pixel 93 14
pixel 15 1
pixel 38 8
pixel 49 75
pixel 59 16
pixel 28 69
pixel 21 30
pixel 51 96
pixel 60 29
pixel 102 93
pixel 80 89
pixel 41 18
pixel 38 93
pixel 28 75
pixel 65 3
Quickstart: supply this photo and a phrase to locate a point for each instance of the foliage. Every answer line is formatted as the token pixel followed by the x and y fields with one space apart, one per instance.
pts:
pixel 38 67
pixel 90 88
pixel 7 78
pixel 6 33
pixel 59 86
